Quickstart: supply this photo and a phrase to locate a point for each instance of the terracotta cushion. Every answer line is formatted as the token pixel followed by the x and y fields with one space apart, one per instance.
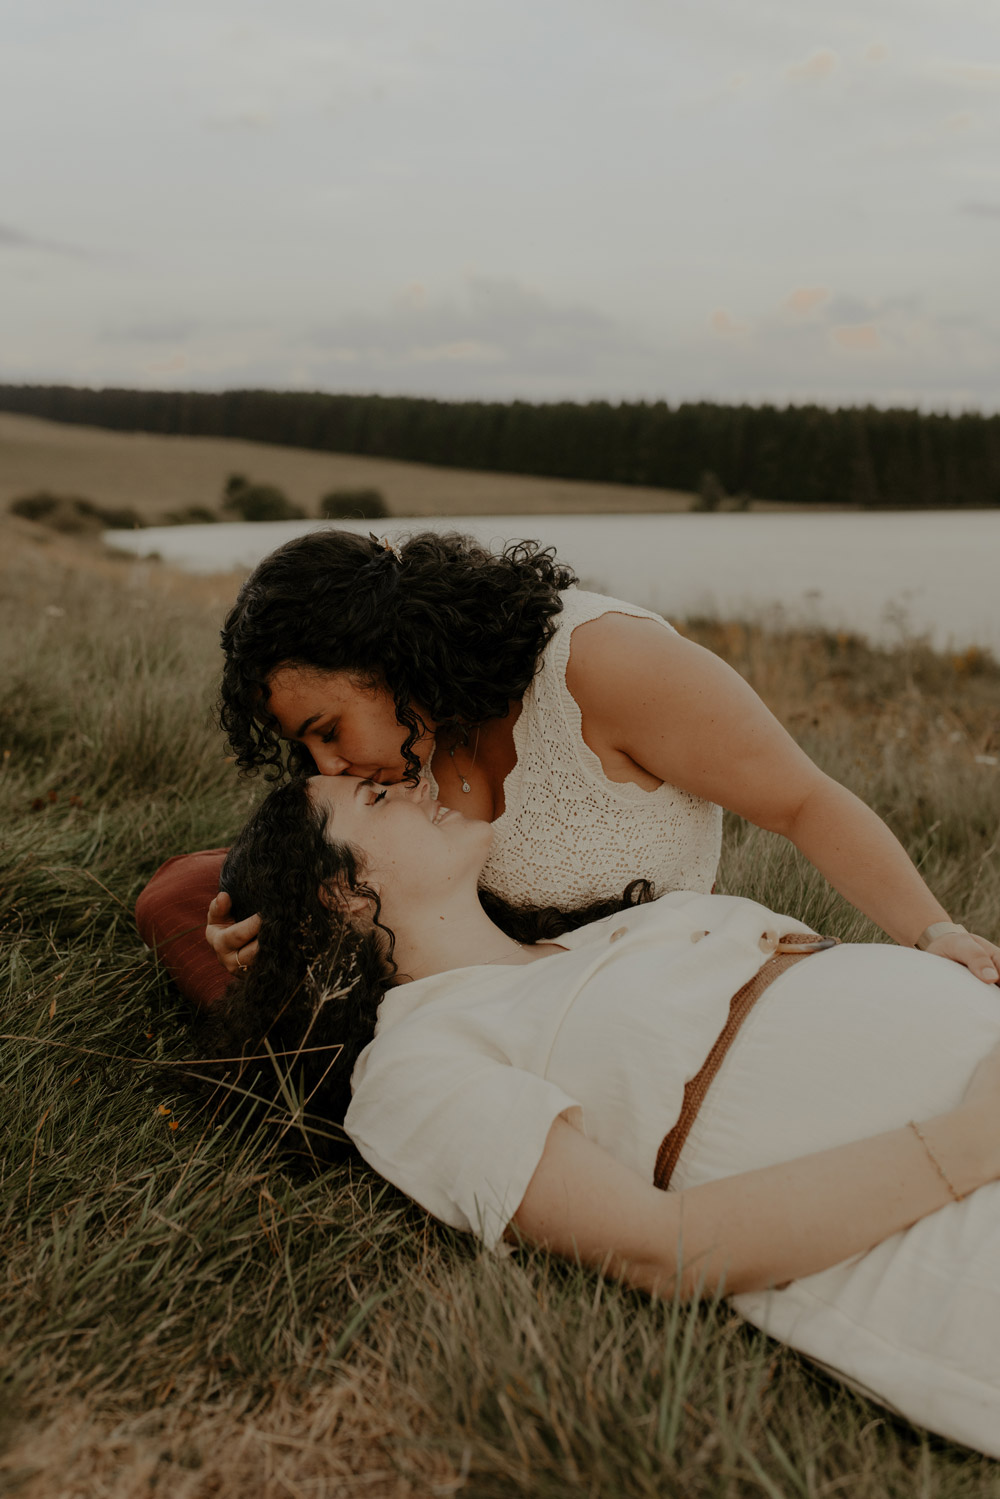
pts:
pixel 170 914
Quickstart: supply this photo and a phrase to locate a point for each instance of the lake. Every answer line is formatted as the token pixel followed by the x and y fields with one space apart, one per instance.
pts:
pixel 886 576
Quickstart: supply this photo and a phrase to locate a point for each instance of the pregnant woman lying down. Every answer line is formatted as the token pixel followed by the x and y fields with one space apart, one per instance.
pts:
pixel 825 1118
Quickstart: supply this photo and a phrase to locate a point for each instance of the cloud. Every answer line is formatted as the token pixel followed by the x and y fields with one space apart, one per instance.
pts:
pixel 176 365
pixel 974 73
pixel 464 351
pixel 982 210
pixel 894 350
pixel 806 299
pixel 725 326
pixel 167 330
pixel 818 65
pixel 273 66
pixel 844 308
pixel 494 327
pixel 859 338
pixel 242 119
pixel 16 239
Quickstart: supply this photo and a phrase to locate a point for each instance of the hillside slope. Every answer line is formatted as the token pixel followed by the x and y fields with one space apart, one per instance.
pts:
pixel 154 474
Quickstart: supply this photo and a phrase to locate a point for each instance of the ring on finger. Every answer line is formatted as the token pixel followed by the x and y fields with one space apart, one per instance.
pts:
pixel 239 963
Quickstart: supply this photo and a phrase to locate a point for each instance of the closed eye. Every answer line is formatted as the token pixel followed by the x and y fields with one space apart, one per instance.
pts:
pixel 379 797
pixel 329 735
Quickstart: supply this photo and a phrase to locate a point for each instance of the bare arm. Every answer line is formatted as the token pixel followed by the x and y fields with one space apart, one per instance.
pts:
pixel 653 700
pixel 762 1228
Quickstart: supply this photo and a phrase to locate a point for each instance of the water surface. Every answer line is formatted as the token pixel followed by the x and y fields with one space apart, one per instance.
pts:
pixel 881 575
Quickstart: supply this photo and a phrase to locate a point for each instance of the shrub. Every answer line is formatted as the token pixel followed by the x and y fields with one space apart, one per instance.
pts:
pixel 73 513
pixel 37 507
pixel 353 504
pixel 710 492
pixel 256 502
pixel 124 518
pixel 191 515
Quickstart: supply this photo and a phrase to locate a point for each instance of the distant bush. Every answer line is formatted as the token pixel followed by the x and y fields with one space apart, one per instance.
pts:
pixel 124 518
pixel 41 507
pixel 73 513
pixel 234 486
pixel 710 492
pixel 192 515
pixel 259 501
pixel 353 504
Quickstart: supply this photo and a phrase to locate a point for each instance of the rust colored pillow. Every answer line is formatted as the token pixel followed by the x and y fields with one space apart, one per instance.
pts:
pixel 170 914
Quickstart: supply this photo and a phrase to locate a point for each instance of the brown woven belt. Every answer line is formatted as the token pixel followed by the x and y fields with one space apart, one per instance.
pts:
pixel 790 949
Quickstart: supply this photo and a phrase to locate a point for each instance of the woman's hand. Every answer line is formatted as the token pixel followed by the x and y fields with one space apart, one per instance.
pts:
pixel 977 954
pixel 231 941
pixel 762 1228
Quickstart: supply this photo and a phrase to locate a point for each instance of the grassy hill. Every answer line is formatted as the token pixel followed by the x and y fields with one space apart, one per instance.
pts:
pixel 154 474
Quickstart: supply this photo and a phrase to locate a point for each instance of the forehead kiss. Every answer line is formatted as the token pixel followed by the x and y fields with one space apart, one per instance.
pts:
pixel 350 801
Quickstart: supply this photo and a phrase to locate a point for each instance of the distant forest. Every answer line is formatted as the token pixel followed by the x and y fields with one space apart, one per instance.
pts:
pixel 807 454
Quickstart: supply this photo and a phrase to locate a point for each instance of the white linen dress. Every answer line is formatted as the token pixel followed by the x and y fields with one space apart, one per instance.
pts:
pixel 568 835
pixel 454 1098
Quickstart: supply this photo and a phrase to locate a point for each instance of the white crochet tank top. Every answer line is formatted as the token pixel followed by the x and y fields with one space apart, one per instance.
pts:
pixel 568 835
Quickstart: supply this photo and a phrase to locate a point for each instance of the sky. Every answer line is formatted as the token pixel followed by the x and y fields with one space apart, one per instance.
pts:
pixel 733 200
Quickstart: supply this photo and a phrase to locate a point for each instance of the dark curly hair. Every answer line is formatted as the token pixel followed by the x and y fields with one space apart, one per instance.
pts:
pixel 453 628
pixel 297 1019
pixel 289 1029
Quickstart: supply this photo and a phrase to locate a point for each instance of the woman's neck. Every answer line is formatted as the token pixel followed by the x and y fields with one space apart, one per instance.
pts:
pixel 470 770
pixel 433 937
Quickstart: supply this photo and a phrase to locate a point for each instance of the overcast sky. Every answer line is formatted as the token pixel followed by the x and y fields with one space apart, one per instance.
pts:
pixel 721 199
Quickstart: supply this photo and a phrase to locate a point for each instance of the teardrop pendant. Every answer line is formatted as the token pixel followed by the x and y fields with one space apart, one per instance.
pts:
pixel 465 785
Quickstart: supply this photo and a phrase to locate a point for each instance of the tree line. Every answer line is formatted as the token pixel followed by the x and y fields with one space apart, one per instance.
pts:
pixel 806 454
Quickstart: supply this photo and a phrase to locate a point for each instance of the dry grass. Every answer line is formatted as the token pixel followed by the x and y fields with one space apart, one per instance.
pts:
pixel 36 556
pixel 324 1445
pixel 186 1313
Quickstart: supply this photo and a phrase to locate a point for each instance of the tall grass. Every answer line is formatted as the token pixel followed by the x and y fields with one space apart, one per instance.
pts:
pixel 187 1312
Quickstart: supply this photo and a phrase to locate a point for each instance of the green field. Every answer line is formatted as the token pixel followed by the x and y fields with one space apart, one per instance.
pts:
pixel 185 1313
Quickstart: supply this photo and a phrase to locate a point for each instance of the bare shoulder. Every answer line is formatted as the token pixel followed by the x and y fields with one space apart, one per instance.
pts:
pixel 678 712
pixel 611 655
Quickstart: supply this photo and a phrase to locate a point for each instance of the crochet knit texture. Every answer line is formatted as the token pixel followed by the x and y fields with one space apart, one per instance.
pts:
pixel 569 835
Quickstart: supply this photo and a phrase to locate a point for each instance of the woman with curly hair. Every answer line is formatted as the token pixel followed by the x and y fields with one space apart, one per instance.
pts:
pixel 694 1094
pixel 599 742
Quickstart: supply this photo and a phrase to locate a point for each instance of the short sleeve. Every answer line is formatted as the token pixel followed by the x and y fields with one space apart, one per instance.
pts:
pixel 458 1130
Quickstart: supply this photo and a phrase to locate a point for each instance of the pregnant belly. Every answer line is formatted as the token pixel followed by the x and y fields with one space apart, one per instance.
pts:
pixel 846 1044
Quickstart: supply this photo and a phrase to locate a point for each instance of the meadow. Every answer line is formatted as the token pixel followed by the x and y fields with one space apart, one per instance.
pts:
pixel 188 1312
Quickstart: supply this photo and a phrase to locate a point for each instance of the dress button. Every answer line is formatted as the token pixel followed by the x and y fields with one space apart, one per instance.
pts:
pixel 768 941
pixel 619 931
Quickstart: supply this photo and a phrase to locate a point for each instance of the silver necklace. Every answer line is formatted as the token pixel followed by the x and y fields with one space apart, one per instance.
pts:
pixel 475 751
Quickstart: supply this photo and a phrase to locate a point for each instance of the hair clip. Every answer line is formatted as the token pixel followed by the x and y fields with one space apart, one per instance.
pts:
pixel 386 545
